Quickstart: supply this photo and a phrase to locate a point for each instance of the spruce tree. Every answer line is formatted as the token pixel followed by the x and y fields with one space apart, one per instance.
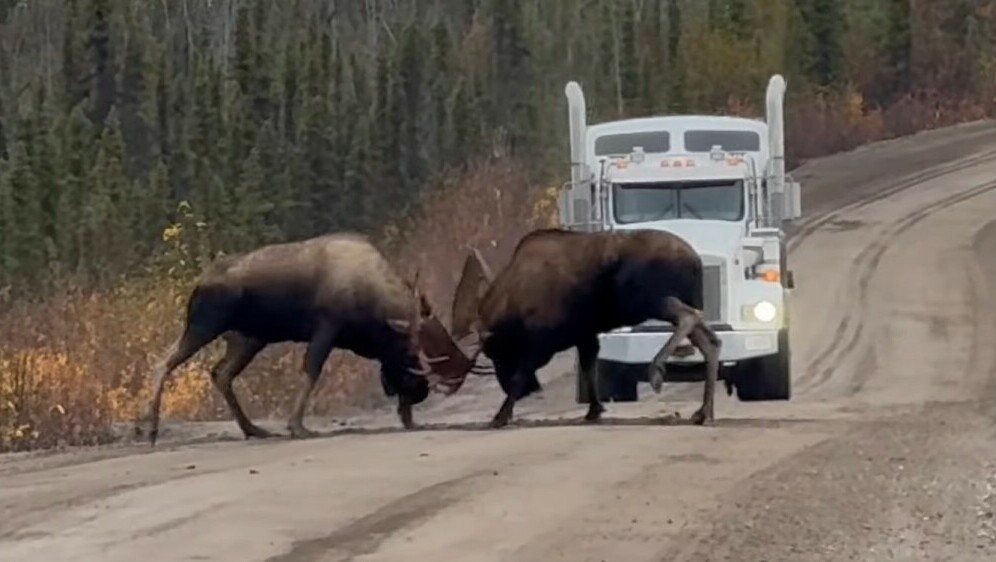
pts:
pixel 896 43
pixel 824 20
pixel 101 44
pixel 9 274
pixel 27 254
pixel 77 142
pixel 135 98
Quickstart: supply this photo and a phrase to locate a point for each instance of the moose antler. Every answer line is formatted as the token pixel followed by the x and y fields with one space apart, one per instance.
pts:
pixel 445 357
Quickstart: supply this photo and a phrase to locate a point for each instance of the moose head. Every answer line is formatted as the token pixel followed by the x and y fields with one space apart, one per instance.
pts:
pixel 446 357
pixel 443 360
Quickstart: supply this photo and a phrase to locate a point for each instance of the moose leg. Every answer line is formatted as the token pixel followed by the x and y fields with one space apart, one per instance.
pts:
pixel 523 382
pixel 708 343
pixel 239 353
pixel 508 376
pixel 318 351
pixel 686 318
pixel 587 360
pixel 405 411
pixel 193 339
pixel 504 414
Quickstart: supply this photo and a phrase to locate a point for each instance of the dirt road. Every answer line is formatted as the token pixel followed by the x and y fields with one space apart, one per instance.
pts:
pixel 886 452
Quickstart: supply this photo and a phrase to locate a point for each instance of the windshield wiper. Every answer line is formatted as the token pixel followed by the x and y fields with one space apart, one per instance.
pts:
pixel 691 210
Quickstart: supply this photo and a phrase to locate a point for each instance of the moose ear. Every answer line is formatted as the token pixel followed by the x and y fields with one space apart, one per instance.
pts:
pixel 425 309
pixel 400 325
pixel 486 271
pixel 474 279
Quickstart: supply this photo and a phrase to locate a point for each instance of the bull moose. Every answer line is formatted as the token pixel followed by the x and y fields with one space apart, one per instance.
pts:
pixel 561 289
pixel 330 291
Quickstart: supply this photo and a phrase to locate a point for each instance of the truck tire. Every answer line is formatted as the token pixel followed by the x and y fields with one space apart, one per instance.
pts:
pixel 616 382
pixel 767 378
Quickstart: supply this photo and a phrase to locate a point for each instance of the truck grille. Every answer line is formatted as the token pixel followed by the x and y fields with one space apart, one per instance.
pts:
pixel 712 279
pixel 712 296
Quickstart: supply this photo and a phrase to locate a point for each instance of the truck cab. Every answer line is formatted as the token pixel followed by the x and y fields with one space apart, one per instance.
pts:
pixel 719 182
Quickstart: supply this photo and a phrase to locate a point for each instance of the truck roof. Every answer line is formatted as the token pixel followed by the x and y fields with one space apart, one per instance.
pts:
pixel 677 122
pixel 665 168
pixel 678 134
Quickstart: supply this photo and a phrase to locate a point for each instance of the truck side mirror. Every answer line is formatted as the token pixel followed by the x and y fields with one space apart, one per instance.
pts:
pixel 792 201
pixel 582 214
pixel 574 208
pixel 563 206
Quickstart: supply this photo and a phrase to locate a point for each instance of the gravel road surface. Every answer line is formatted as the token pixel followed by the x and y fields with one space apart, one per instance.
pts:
pixel 887 450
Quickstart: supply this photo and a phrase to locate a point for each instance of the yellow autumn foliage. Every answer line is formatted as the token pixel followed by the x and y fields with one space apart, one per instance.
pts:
pixel 49 396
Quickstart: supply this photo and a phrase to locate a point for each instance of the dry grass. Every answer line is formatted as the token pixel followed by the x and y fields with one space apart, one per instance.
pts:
pixel 72 367
pixel 827 124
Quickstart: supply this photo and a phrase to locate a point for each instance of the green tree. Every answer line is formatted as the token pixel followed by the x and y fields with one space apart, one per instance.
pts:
pixel 824 20
pixel 101 45
pixel 8 230
pixel 896 44
pixel 109 244
pixel 135 98
pixel 27 255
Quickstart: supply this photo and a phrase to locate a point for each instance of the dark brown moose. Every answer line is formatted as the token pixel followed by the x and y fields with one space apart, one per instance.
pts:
pixel 330 291
pixel 561 289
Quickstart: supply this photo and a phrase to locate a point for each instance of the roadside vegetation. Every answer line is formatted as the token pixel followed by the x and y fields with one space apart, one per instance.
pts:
pixel 139 140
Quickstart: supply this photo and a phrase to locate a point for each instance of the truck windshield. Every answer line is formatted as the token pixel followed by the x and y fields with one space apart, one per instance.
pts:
pixel 710 200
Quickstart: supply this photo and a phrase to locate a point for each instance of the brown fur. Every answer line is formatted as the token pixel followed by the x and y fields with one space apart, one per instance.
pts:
pixel 561 289
pixel 330 291
pixel 339 271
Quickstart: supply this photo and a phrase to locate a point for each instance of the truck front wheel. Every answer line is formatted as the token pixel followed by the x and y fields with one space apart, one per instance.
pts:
pixel 616 382
pixel 767 378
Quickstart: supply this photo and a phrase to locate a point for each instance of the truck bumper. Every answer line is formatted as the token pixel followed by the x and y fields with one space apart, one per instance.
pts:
pixel 642 346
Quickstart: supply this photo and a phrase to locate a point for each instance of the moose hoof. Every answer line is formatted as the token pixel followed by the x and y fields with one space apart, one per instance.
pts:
pixel 498 422
pixel 729 387
pixel 257 432
pixel 594 413
pixel 301 432
pixel 407 420
pixel 701 418
pixel 684 351
pixel 656 377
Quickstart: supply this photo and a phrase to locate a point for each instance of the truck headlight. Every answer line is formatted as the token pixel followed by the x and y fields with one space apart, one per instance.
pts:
pixel 765 311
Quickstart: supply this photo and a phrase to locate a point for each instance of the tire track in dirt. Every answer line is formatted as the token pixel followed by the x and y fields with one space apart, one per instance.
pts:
pixel 814 223
pixel 861 376
pixel 364 535
pixel 849 330
pixel 851 327
pixel 28 515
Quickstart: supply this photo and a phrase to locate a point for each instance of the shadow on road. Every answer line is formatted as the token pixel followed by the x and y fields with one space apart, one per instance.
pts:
pixel 137 443
pixel 642 421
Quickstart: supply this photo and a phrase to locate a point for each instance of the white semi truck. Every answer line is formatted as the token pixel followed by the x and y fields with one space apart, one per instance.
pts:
pixel 719 182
